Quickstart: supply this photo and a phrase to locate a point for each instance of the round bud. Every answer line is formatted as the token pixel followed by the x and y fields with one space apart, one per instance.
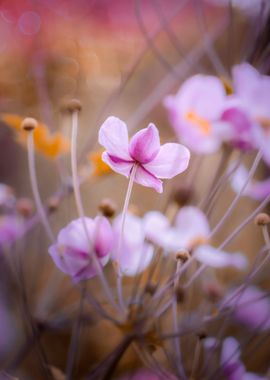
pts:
pixel 25 207
pixel 53 203
pixel 71 105
pixel 107 207
pixel 29 124
pixel 262 219
pixel 183 255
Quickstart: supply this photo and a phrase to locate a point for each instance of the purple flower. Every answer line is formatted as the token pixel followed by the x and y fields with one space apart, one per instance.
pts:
pixel 253 90
pixel 195 112
pixel 72 252
pixel 135 255
pixel 250 306
pixel 190 231
pixel 153 161
pixel 257 190
pixel 11 227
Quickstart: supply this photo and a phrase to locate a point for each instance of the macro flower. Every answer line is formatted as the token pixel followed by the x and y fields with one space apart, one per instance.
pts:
pixel 257 190
pixel 142 153
pixel 194 113
pixel 135 254
pixel 190 231
pixel 250 306
pixel 73 250
pixel 253 90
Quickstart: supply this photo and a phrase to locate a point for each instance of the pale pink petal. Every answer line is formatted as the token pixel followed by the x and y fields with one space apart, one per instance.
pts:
pixel 192 224
pixel 172 159
pixel 145 178
pixel 104 239
pixel 230 351
pixel 155 224
pixel 113 135
pixel 145 144
pixel 216 258
pixel 117 164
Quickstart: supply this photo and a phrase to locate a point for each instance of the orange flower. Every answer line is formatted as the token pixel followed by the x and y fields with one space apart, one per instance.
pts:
pixel 99 166
pixel 51 145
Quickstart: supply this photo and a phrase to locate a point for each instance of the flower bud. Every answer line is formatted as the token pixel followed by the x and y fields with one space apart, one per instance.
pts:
pixel 29 124
pixel 262 219
pixel 107 207
pixel 71 105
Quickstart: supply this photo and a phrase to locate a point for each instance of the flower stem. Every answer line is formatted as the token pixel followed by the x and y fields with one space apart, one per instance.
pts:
pixel 79 205
pixel 34 186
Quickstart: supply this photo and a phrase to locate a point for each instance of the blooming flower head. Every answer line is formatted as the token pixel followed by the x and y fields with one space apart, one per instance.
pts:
pixel 250 307
pixel 73 250
pixel 135 255
pixel 195 111
pixel 190 231
pixel 143 152
pixel 253 90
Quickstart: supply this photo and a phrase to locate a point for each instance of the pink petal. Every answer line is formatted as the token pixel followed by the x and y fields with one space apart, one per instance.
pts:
pixel 117 164
pixel 171 160
pixel 113 135
pixel 145 144
pixel 103 236
pixel 145 178
pixel 219 259
pixel 230 351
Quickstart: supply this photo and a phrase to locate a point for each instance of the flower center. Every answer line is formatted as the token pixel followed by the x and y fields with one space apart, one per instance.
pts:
pixel 202 124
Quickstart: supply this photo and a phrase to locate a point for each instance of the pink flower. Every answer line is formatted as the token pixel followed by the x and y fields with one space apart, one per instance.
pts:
pixel 135 255
pixel 72 253
pixel 190 231
pixel 257 190
pixel 11 227
pixel 153 161
pixel 250 306
pixel 253 89
pixel 195 112
pixel 7 198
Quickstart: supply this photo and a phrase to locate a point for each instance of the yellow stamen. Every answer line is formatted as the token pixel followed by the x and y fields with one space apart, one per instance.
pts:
pixel 200 122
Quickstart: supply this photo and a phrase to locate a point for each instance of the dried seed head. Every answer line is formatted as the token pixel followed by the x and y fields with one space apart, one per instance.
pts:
pixel 183 195
pixel 71 105
pixel 183 255
pixel 25 207
pixel 29 124
pixel 107 207
pixel 53 203
pixel 262 219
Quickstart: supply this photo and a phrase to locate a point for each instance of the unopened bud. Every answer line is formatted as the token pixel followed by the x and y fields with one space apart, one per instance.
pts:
pixel 262 219
pixel 183 195
pixel 71 105
pixel 183 255
pixel 29 124
pixel 107 207
pixel 53 203
pixel 25 207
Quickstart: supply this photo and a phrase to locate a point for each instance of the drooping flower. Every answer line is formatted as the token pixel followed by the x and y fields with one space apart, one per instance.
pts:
pixel 249 306
pixel 195 112
pixel 253 90
pixel 135 254
pixel 257 190
pixel 190 231
pixel 73 252
pixel 153 161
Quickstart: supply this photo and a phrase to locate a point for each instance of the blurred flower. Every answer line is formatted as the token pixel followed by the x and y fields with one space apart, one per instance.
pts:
pixel 253 90
pixel 250 306
pixel 72 253
pixel 51 145
pixel 251 7
pixel 195 111
pixel 100 168
pixel 11 227
pixel 7 198
pixel 145 374
pixel 152 160
pixel 257 190
pixel 190 231
pixel 135 255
